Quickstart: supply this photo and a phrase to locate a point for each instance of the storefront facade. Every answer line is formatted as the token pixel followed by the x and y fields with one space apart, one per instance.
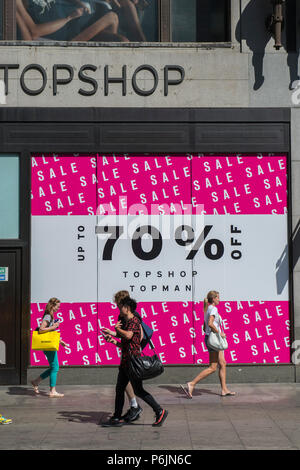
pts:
pixel 159 169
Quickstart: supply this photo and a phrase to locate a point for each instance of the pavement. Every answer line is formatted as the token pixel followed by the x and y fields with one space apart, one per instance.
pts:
pixel 260 416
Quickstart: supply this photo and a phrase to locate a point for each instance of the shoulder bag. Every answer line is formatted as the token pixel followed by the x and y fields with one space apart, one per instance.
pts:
pixel 216 342
pixel 45 341
pixel 145 367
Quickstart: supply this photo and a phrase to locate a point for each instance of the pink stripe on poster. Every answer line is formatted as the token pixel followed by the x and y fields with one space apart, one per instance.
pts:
pixel 257 332
pixel 66 184
pixel 63 184
pixel 240 184
pixel 149 183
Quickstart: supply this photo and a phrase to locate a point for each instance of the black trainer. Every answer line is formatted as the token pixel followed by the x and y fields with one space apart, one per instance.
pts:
pixel 125 416
pixel 160 418
pixel 112 422
pixel 132 414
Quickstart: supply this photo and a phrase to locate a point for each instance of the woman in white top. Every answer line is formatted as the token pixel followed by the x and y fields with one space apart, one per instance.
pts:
pixel 212 322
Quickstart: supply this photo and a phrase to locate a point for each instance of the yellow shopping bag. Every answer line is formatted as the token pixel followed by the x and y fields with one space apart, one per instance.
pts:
pixel 45 341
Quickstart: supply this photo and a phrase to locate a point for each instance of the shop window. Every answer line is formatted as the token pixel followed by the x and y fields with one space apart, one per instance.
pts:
pixel 116 20
pixel 195 21
pixel 9 197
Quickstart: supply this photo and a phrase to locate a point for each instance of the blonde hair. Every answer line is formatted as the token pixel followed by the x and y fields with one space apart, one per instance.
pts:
pixel 50 306
pixel 122 294
pixel 209 299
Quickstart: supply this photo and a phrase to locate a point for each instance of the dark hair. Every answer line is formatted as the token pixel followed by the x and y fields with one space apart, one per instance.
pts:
pixel 129 302
pixel 120 295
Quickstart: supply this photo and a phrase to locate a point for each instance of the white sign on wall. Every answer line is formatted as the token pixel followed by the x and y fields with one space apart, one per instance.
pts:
pixel 3 274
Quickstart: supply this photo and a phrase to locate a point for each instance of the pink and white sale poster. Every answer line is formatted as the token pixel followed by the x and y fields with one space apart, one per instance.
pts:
pixel 167 228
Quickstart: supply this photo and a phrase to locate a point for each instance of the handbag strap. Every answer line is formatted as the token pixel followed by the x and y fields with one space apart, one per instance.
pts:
pixel 221 325
pixel 145 333
pixel 149 339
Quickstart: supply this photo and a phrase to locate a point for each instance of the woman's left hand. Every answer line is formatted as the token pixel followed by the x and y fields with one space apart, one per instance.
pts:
pixel 118 325
pixel 223 335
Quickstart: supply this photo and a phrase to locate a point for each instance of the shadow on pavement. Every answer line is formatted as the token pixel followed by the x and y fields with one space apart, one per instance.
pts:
pixel 94 417
pixel 22 391
pixel 196 392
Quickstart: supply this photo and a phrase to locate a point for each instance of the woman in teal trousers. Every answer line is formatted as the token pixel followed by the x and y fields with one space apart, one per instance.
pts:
pixel 48 324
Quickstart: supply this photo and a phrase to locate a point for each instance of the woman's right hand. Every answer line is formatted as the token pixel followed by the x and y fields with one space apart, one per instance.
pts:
pixel 76 13
pixel 223 335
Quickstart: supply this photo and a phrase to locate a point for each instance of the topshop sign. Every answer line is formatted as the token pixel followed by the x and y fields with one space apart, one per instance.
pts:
pixel 62 75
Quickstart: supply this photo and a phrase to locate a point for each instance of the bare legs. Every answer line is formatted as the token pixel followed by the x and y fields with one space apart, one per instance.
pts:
pixel 108 23
pixel 215 359
pixel 222 375
pixel 129 392
pixel 35 383
pixel 131 18
pixel 213 364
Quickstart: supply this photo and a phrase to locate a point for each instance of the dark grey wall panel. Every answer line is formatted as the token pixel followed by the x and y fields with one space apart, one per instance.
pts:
pixel 31 135
pixel 145 136
pixel 145 115
pixel 243 137
pixel 142 136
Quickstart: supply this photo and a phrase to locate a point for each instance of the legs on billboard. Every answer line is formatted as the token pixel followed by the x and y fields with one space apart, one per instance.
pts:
pixel 128 11
pixel 109 23
pixel 65 22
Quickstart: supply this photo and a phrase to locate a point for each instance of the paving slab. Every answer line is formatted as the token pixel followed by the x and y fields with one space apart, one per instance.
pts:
pixel 260 416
